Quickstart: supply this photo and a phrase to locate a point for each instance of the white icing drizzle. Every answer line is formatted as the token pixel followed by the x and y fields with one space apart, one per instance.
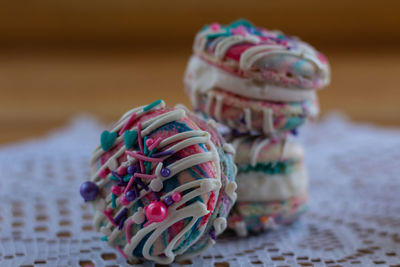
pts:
pixel 224 45
pixel 218 106
pixel 247 118
pixel 194 210
pixel 228 148
pixel 268 121
pixel 219 225
pixel 255 149
pixel 230 190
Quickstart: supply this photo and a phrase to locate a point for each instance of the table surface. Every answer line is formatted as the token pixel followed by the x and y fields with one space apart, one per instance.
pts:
pixel 41 89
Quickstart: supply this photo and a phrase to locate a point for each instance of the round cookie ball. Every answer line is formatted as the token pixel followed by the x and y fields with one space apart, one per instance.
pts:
pixel 164 180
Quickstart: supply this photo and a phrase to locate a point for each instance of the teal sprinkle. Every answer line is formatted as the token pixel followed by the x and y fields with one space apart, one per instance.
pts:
pixel 152 105
pixel 221 34
pixel 147 166
pixel 294 122
pixel 113 204
pixel 104 238
pixel 127 178
pixel 284 167
pixel 107 139
pixel 130 138
pixel 146 150
pixel 113 178
pixel 241 22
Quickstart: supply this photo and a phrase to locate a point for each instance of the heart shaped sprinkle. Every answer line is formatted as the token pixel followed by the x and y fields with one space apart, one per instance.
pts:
pixel 130 138
pixel 107 139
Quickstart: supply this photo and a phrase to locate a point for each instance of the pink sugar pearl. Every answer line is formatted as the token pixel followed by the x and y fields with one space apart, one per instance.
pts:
pixel 116 190
pixel 103 173
pixel 156 211
pixel 176 196
pixel 124 201
pixel 149 142
pixel 121 170
pixel 215 27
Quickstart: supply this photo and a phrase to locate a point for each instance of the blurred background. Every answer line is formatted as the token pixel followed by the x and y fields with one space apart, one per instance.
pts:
pixel 62 58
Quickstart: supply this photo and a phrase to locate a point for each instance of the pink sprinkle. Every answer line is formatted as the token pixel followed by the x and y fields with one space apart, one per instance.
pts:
pixel 122 252
pixel 127 230
pixel 149 142
pixel 155 143
pixel 139 130
pixel 129 184
pixel 240 30
pixel 127 124
pixel 146 176
pixel 116 190
pixel 124 201
pixel 121 170
pixel 142 157
pixel 141 166
pixel 215 27
pixel 176 196
pixel 103 173
pixel 107 213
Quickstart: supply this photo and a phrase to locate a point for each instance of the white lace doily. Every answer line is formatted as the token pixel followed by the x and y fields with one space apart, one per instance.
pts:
pixel 353 220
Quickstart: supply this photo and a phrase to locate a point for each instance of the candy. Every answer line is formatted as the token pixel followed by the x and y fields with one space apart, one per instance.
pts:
pixel 89 191
pixel 156 211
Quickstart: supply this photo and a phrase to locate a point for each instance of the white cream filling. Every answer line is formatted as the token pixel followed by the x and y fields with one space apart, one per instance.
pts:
pixel 258 186
pixel 201 76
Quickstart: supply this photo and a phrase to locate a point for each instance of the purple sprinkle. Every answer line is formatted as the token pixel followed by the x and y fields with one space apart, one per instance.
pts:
pixel 115 174
pixel 143 185
pixel 156 196
pixel 162 154
pixel 130 195
pixel 121 223
pixel 295 132
pixel 121 215
pixel 212 234
pixel 89 191
pixel 168 201
pixel 132 169
pixel 165 172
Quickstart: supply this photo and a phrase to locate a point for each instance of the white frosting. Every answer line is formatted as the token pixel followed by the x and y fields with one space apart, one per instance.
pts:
pixel 258 186
pixel 201 187
pixel 252 150
pixel 201 77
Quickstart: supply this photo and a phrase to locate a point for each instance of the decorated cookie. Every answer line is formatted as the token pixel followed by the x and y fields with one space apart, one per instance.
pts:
pixel 249 77
pixel 272 184
pixel 162 184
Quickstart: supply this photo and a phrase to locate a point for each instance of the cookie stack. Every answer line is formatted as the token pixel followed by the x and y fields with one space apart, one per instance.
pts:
pixel 262 85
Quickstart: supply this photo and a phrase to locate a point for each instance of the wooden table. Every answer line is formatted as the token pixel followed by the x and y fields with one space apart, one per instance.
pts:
pixel 41 89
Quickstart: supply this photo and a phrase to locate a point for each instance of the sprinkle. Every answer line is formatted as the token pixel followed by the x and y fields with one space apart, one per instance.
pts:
pixel 107 139
pixel 115 179
pixel 121 215
pixel 215 27
pixel 168 201
pixel 130 195
pixel 107 213
pixel 121 223
pixel 129 184
pixel 176 196
pixel 132 169
pixel 103 173
pixel 121 170
pixel 128 231
pixel 156 196
pixel 146 150
pixel 113 204
pixel 163 154
pixel 122 252
pixel 115 174
pixel 143 185
pixel 212 234
pixel 142 157
pixel 104 238
pixel 165 172
pixel 145 176
pixel 152 105
pixel 139 130
pixel 127 124
pixel 155 143
pixel 116 190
